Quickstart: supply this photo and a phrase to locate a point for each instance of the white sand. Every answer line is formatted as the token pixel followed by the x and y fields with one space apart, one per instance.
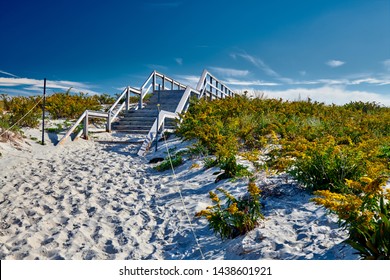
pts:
pixel 87 200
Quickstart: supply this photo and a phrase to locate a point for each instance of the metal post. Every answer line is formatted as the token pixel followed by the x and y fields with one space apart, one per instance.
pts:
pixel 158 116
pixel 43 111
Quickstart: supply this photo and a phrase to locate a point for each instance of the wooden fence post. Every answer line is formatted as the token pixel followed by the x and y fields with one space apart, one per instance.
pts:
pixel 85 128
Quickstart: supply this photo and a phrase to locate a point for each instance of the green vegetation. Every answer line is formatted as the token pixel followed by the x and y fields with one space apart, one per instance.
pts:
pixel 59 105
pixel 332 150
pixel 14 108
pixel 70 106
pixel 106 99
pixel 365 212
pixel 168 163
pixel 236 216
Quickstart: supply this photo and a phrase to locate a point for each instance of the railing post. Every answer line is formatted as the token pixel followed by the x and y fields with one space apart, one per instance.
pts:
pixel 85 128
pixel 127 99
pixel 108 126
pixel 154 81
pixel 163 82
pixel 217 89
pixel 140 99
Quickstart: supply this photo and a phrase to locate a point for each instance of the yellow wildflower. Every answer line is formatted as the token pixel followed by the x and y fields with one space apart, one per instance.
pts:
pixel 233 208
pixel 366 180
pixel 253 189
pixel 214 197
pixel 202 213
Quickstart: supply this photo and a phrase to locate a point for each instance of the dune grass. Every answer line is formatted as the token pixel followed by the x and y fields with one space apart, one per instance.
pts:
pixel 341 153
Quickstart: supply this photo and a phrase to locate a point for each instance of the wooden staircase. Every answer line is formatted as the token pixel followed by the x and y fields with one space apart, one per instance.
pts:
pixel 150 118
pixel 140 121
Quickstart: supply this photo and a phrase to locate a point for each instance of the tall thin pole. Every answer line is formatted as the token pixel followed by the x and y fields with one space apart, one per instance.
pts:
pixel 43 111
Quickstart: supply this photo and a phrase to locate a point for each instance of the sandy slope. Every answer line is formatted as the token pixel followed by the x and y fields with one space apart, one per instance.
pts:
pixel 88 200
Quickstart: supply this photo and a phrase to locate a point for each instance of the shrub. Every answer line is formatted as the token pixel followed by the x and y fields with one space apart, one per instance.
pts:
pixel 327 167
pixel 365 212
pixel 106 99
pixel 168 163
pixel 236 216
pixel 71 106
pixel 232 169
pixel 17 107
pixel 209 162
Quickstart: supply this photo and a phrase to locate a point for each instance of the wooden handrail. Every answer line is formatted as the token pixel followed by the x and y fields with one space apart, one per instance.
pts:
pixel 152 134
pixel 203 83
pixel 206 80
pixel 70 131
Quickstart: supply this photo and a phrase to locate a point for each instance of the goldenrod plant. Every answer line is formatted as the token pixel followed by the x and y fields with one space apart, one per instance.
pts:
pixel 71 106
pixel 365 212
pixel 288 134
pixel 230 217
pixel 14 109
pixel 331 150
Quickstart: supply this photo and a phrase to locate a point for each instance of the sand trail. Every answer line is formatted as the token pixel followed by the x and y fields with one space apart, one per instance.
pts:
pixel 88 200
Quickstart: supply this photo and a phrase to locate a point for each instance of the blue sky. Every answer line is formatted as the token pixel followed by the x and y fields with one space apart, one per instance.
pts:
pixel 331 51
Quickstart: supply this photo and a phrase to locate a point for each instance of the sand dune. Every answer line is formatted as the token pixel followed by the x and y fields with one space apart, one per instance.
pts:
pixel 88 200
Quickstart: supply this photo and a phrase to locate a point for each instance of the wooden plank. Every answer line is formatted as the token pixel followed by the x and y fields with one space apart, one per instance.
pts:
pixel 72 128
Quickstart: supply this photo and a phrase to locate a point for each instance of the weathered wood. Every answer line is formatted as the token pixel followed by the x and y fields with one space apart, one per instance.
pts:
pixel 85 128
pixel 155 127
pixel 72 129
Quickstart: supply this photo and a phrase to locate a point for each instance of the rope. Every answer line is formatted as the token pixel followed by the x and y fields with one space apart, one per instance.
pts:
pixel 181 196
pixel 4 132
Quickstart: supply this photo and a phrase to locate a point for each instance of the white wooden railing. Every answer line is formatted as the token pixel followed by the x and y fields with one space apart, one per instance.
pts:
pixel 158 125
pixel 212 88
pixel 208 87
pixel 123 102
pixel 154 80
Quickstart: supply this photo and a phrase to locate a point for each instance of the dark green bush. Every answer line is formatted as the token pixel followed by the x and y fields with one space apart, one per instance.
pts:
pixel 328 167
pixel 177 160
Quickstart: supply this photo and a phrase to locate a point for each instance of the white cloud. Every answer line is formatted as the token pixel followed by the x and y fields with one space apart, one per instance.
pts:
pixel 229 72
pixel 32 86
pixel 335 63
pixel 236 82
pixel 256 62
pixel 8 74
pixel 190 80
pixel 329 95
pixel 179 60
pixel 373 81
pixel 386 63
pixel 380 81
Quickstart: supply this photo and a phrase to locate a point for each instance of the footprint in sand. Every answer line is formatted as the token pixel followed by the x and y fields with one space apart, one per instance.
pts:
pixel 109 248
